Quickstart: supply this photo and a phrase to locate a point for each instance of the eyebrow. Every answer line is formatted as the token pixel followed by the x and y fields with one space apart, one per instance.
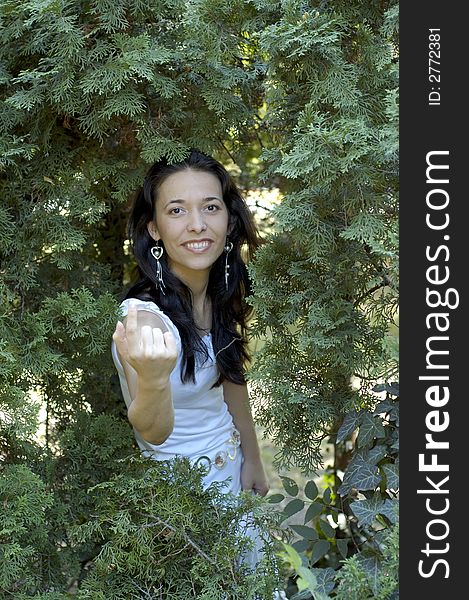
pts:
pixel 182 201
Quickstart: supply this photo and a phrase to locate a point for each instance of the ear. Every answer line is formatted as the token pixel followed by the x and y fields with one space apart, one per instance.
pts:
pixel 231 225
pixel 153 231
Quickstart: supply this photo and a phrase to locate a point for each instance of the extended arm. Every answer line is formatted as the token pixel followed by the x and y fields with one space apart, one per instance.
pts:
pixel 148 355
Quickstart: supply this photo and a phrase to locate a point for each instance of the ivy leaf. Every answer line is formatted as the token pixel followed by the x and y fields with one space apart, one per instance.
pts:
pixel 366 511
pixel 391 388
pixel 370 428
pixel 389 407
pixel 293 507
pixel 325 580
pixel 290 486
pixel 308 533
pixel 320 548
pixel 390 509
pixel 371 566
pixel 311 490
pixel 350 423
pixel 375 454
pixel 385 406
pixel 391 472
pixel 275 498
pixel 342 546
pixel 314 510
pixel 360 474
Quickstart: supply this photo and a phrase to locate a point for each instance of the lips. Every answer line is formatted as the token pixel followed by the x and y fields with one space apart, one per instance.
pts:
pixel 198 245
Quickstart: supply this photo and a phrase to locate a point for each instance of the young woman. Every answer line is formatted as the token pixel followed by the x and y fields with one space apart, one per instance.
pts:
pixel 182 349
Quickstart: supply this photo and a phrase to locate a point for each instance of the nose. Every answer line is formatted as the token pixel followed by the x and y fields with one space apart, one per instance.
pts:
pixel 196 222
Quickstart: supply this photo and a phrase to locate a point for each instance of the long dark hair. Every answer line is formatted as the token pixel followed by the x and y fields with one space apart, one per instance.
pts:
pixel 230 312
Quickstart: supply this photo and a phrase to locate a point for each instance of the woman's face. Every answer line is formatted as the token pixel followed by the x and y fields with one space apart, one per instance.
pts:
pixel 191 220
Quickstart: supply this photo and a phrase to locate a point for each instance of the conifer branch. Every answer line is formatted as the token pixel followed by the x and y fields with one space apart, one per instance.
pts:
pixel 384 283
pixel 221 142
pixel 197 548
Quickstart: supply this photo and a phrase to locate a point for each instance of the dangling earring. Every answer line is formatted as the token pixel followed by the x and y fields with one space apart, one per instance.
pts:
pixel 228 249
pixel 157 253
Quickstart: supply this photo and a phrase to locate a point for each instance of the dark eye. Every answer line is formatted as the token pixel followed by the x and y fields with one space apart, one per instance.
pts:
pixel 213 207
pixel 172 211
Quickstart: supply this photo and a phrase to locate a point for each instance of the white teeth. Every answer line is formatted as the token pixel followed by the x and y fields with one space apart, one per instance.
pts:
pixel 197 245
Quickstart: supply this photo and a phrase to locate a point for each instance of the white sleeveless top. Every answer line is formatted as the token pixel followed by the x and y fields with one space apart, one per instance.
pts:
pixel 202 422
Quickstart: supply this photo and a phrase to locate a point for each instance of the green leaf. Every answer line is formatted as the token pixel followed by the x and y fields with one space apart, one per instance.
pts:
pixel 371 566
pixel 342 546
pixel 301 545
pixel 290 486
pixel 375 454
pixel 275 498
pixel 386 406
pixel 327 529
pixel 306 580
pixel 308 533
pixel 293 556
pixel 311 490
pixel 366 511
pixel 390 509
pixel 313 510
pixel 350 423
pixel 320 548
pixel 326 580
pixel 293 507
pixel 391 472
pixel 370 428
pixel 361 475
pixel 326 497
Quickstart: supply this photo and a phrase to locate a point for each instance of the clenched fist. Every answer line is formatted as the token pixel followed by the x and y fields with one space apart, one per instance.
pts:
pixel 152 353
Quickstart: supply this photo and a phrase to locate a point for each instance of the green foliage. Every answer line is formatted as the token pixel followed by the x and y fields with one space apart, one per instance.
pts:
pixel 301 94
pixel 354 521
pixel 326 280
pixel 163 536
pixel 360 579
pixel 90 93
pixel 24 508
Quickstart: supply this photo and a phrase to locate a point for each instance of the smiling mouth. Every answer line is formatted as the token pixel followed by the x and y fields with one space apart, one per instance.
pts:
pixel 197 245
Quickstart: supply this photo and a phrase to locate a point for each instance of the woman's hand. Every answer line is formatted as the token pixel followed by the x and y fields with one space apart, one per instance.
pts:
pixel 152 353
pixel 253 477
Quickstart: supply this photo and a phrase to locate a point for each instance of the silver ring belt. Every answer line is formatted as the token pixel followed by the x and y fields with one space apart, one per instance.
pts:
pixel 221 457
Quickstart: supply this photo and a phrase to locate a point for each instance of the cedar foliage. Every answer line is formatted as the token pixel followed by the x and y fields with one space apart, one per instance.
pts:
pixel 90 93
pixel 326 283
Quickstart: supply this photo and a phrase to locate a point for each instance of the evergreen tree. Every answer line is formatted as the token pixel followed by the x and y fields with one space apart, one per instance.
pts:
pixel 326 281
pixel 326 285
pixel 90 94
